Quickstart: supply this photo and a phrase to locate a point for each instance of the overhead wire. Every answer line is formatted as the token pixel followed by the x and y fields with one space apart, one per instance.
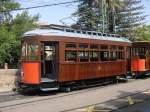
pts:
pixel 40 6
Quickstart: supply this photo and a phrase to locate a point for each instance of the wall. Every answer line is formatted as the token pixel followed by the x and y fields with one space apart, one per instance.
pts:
pixel 8 78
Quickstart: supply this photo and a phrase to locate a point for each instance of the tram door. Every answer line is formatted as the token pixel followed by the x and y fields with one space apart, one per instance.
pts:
pixel 49 60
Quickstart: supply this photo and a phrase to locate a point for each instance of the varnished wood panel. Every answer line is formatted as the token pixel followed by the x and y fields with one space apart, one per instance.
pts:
pixel 80 71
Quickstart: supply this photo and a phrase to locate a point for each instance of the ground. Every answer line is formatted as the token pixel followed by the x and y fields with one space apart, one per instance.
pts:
pixel 126 97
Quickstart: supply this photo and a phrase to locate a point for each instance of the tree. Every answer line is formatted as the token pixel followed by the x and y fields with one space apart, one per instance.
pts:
pixel 113 5
pixel 97 14
pixel 112 16
pixel 11 30
pixel 87 15
pixel 6 5
pixel 21 23
pixel 142 33
pixel 129 17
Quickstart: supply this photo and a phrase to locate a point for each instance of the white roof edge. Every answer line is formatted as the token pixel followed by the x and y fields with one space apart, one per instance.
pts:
pixel 50 32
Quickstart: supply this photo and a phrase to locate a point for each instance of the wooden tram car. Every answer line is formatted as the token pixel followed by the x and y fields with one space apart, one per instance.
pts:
pixel 140 58
pixel 57 56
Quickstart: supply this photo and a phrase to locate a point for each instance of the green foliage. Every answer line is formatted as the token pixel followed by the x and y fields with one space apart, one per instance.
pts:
pixel 129 17
pixel 87 15
pixel 5 6
pixel 142 33
pixel 113 16
pixel 11 30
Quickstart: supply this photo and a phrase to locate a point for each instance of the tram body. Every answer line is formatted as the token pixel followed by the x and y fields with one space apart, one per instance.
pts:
pixel 140 59
pixel 52 58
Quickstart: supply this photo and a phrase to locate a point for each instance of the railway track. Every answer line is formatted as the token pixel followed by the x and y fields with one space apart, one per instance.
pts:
pixel 46 96
pixel 10 96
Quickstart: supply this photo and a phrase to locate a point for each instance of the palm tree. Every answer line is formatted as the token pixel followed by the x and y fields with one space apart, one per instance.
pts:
pixel 108 10
pixel 98 14
pixel 112 6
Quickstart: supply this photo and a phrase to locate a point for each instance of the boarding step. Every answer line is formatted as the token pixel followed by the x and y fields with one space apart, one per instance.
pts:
pixel 44 80
pixel 49 89
pixel 48 85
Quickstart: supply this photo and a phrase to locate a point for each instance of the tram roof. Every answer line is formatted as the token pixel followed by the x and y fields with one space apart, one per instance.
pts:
pixel 76 34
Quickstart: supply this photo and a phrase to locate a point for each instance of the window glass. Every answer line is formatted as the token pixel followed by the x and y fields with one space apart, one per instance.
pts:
pixel 121 48
pixel 83 56
pixel 104 47
pixel 94 46
pixel 23 51
pixel 32 51
pixel 83 32
pixel 113 47
pixel 70 55
pixel 71 45
pixel 113 55
pixel 94 33
pixel 89 33
pixel 120 55
pixel 104 55
pixel 93 56
pixel 83 46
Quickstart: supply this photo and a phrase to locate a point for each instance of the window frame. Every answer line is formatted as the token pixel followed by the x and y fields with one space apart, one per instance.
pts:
pixel 27 43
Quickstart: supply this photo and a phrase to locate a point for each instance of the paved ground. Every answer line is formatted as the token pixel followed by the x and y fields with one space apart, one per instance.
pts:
pixel 141 107
pixel 79 99
pixel 139 102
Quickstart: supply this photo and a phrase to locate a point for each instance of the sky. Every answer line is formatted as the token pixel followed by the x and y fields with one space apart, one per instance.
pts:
pixel 61 14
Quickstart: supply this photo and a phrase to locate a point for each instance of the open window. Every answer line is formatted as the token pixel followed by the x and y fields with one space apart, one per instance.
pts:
pixel 70 52
pixel 94 55
pixel 70 56
pixel 83 56
pixel 121 53
pixel 113 53
pixel 24 52
pixel 94 52
pixel 83 53
pixel 104 53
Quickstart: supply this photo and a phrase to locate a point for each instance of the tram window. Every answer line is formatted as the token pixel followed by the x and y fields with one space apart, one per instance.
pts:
pixel 71 45
pixel 94 46
pixel 135 52
pixel 104 47
pixel 113 55
pixel 83 56
pixel 24 51
pixel 113 47
pixel 104 55
pixel 99 34
pixel 32 51
pixel 89 33
pixel 83 46
pixel 70 55
pixel 120 55
pixel 78 31
pixel 83 32
pixel 94 33
pixel 104 34
pixel 121 48
pixel 93 56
